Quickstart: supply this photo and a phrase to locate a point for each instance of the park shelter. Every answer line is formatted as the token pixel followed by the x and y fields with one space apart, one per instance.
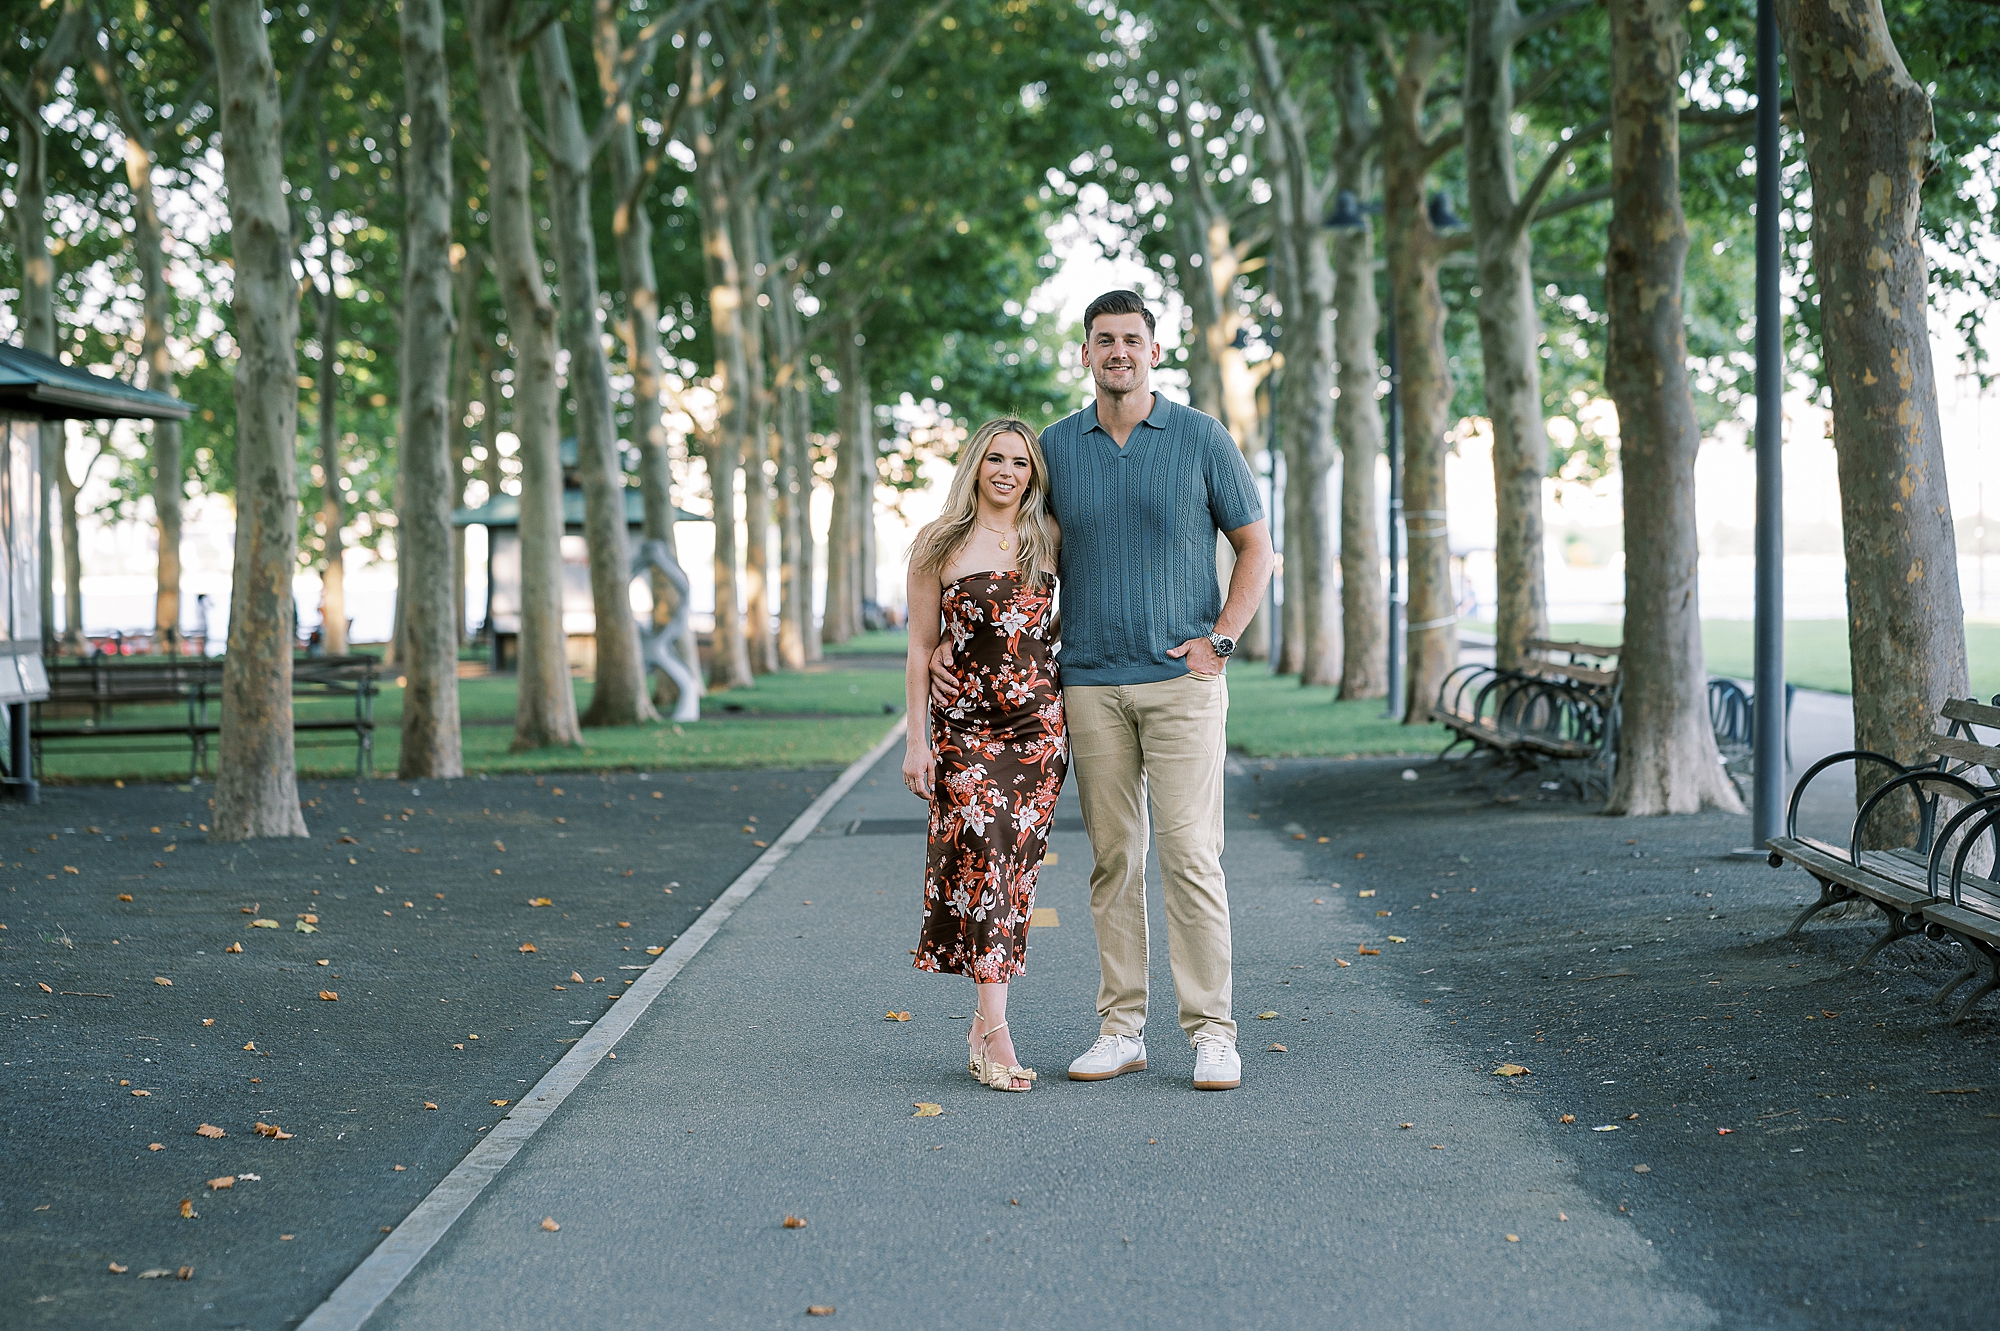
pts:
pixel 501 516
pixel 35 389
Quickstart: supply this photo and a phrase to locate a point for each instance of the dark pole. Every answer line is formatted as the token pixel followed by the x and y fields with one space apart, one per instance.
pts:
pixel 1768 715
pixel 1395 709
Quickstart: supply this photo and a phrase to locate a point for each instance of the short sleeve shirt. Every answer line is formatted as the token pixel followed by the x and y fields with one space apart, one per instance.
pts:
pixel 1139 528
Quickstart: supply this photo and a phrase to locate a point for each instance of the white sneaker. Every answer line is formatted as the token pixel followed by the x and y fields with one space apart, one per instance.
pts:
pixel 1109 1057
pixel 1216 1066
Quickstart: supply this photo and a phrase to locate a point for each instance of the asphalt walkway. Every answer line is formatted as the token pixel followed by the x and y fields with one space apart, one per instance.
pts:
pixel 1367 1174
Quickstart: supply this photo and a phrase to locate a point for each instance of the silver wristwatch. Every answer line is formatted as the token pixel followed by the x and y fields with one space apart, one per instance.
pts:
pixel 1222 644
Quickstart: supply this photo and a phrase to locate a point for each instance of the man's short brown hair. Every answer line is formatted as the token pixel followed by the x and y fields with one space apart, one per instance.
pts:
pixel 1116 302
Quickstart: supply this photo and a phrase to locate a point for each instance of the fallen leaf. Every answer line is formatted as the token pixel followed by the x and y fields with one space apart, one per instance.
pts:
pixel 1338 962
pixel 124 896
pixel 1366 891
pixel 163 980
pixel 187 1208
pixel 208 1021
pixel 349 841
pixel 1380 913
pixel 328 995
pixel 540 901
pixel 158 1272
pixel 44 988
pixel 1278 1049
pixel 1298 836
pixel 209 1130
pixel 185 1273
pixel 233 948
pixel 252 1046
pixel 70 868
pixel 1369 951
pixel 819 1310
pixel 429 1105
pixel 1265 1016
pixel 118 1270
pixel 310 918
pixel 218 1184
pixel 927 1110
pixel 1613 1127
pixel 157 1146
pixel 1562 1217
pixel 250 909
pixel 1510 1070
pixel 795 1222
pixel 1569 1118
pixel 1513 1238
pixel 1631 1118
pixel 654 951
pixel 576 977
pixel 324 961
pixel 549 1223
pixel 302 927
pixel 142 1092
pixel 895 1016
pixel 1394 939
pixel 272 1131
pixel 1642 1169
pixel 527 947
pixel 624 924
pixel 1720 1132
pixel 263 924
pixel 123 1082
pixel 400 1168
pixel 502 1103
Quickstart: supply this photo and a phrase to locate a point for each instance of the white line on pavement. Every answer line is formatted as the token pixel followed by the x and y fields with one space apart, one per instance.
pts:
pixel 370 1284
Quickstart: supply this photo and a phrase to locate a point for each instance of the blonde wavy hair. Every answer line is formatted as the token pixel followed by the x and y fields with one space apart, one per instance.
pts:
pixel 940 541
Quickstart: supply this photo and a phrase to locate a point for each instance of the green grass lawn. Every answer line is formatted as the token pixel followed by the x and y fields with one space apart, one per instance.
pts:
pixel 1271 716
pixel 1815 650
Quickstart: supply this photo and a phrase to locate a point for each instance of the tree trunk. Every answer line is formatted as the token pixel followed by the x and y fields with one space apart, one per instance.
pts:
pixel 757 447
pixel 618 695
pixel 1306 393
pixel 632 236
pixel 1868 135
pixel 67 490
pixel 332 511
pixel 843 558
pixel 1357 419
pixel 1510 328
pixel 1667 759
pixel 792 412
pixel 257 780
pixel 467 268
pixel 545 709
pixel 1414 251
pixel 431 745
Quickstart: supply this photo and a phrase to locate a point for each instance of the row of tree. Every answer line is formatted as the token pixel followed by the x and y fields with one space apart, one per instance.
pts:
pixel 741 250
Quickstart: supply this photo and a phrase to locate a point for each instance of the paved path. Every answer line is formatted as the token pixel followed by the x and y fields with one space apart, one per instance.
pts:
pixel 765 1082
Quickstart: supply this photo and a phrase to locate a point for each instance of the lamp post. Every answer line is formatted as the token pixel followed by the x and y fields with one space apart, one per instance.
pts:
pixel 1350 214
pixel 1768 707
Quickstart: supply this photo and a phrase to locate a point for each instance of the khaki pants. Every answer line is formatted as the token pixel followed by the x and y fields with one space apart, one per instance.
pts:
pixel 1163 740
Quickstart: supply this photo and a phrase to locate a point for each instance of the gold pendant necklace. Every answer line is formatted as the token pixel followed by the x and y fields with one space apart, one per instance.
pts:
pixel 1002 535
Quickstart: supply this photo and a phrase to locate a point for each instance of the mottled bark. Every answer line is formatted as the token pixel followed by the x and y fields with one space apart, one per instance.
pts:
pixel 1510 326
pixel 618 694
pixel 1357 420
pixel 468 267
pixel 1667 759
pixel 67 489
pixel 758 443
pixel 632 237
pixel 149 258
pixel 1868 137
pixel 431 745
pixel 257 780
pixel 792 414
pixel 332 509
pixel 545 707
pixel 1415 249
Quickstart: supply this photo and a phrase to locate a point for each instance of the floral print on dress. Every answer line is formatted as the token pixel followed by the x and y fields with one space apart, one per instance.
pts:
pixel 1002 752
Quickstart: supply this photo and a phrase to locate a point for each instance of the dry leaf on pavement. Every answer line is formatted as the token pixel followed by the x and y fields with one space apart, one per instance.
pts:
pixel 163 980
pixel 896 1016
pixel 1394 939
pixel 541 901
pixel 576 977
pixel 1366 891
pixel 157 1146
pixel 1278 1049
pixel 118 1270
pixel 527 947
pixel 328 995
pixel 263 924
pixel 429 1105
pixel 654 951
pixel 1612 1127
pixel 927 1110
pixel 1513 1238
pixel 1369 951
pixel 209 1130
pixel 142 1093
pixel 502 1103
pixel 1569 1118
pixel 44 988
pixel 300 926
pixel 549 1223
pixel 1265 1016
pixel 1642 1169
pixel 1724 1132
pixel 157 1273
pixel 1510 1070
pixel 187 1208
pixel 795 1222
pixel 272 1131
pixel 819 1310
pixel 1338 962
pixel 185 1273
pixel 124 896
pixel 233 948
pixel 252 1046
pixel 218 1184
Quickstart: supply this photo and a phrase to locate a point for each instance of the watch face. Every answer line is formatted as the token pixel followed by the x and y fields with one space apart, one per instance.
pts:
pixel 1223 646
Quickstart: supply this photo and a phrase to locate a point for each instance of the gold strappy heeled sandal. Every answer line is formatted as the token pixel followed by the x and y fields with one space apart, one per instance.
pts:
pixel 1000 1076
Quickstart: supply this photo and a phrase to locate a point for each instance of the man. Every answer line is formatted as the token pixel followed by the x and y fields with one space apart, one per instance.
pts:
pixel 1140 486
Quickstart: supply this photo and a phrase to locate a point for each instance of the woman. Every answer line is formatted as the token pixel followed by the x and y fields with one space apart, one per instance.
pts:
pixel 992 762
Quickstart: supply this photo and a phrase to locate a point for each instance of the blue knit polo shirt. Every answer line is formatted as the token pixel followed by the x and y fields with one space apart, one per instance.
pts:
pixel 1138 537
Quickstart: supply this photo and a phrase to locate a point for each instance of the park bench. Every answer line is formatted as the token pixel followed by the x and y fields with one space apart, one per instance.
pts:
pixel 1926 888
pixel 179 699
pixel 1552 716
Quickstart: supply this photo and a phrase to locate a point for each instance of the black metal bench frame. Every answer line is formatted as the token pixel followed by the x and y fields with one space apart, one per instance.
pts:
pixel 1913 887
pixel 197 682
pixel 1559 718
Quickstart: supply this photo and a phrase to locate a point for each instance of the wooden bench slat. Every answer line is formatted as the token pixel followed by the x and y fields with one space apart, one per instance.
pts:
pixel 1959 920
pixel 1581 648
pixel 1964 750
pixel 1869 884
pixel 1581 674
pixel 1974 713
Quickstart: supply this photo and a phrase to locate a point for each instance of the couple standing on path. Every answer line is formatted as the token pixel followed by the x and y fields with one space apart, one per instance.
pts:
pixel 1123 500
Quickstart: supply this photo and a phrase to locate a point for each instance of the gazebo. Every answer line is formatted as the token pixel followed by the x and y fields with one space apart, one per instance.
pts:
pixel 35 389
pixel 501 516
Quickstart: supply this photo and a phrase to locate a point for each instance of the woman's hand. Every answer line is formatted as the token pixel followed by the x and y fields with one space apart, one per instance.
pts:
pixel 917 766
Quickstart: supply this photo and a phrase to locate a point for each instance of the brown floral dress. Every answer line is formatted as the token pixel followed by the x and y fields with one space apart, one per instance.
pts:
pixel 1002 752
